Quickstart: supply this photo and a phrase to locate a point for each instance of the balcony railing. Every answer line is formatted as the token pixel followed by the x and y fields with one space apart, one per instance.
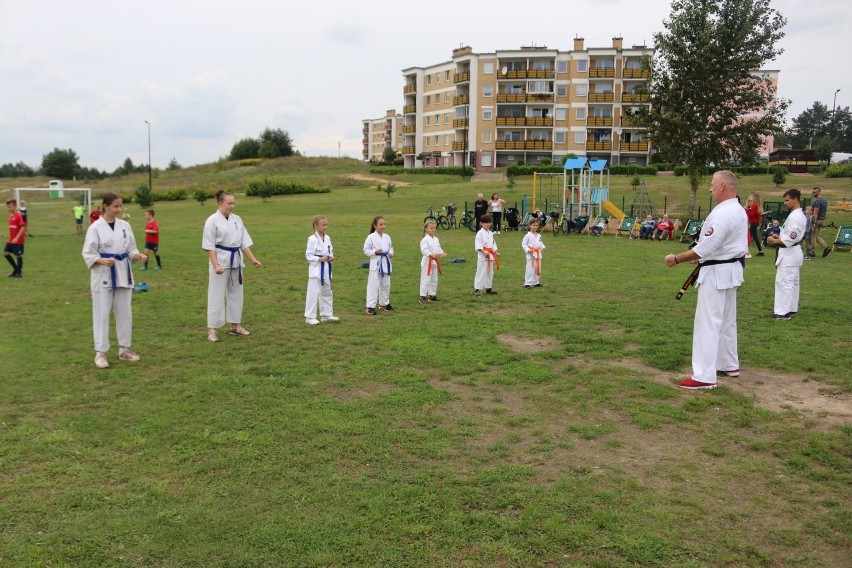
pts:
pixel 511 97
pixel 409 109
pixel 461 77
pixel 630 121
pixel 461 122
pixel 407 149
pixel 365 141
pixel 412 88
pixel 524 145
pixel 600 97
pixel 636 74
pixel 461 100
pixel 524 121
pixel 635 97
pixel 409 129
pixel 459 146
pixel 605 146
pixel 635 146
pixel 601 72
pixel 527 74
pixel 599 121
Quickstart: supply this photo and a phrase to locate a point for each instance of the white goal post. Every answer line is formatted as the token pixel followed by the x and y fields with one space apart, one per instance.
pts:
pixel 49 208
pixel 86 191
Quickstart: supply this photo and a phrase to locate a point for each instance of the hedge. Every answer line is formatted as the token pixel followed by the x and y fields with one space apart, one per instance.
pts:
pixel 838 170
pixel 265 187
pixel 741 170
pixel 443 171
pixel 619 170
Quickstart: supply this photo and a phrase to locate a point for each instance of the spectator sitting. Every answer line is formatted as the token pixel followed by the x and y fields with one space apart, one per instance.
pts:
pixel 600 227
pixel 578 223
pixel 664 227
pixel 542 219
pixel 647 227
pixel 775 229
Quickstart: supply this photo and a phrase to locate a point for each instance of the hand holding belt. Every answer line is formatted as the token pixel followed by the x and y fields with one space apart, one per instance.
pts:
pixel 433 258
pixel 322 268
pixel 690 280
pixel 119 256
pixel 384 260
pixel 536 259
pixel 234 251
pixel 489 254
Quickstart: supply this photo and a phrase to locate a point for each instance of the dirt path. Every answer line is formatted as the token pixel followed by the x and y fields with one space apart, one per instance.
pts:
pixel 370 178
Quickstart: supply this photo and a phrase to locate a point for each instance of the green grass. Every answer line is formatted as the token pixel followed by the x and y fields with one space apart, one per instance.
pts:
pixel 421 437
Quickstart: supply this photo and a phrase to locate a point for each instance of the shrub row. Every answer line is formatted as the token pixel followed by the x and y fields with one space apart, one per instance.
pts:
pixel 839 170
pixel 266 187
pixel 177 194
pixel 444 171
pixel 619 170
pixel 741 170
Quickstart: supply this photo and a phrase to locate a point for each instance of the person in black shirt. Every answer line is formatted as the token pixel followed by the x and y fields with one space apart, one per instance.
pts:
pixel 480 208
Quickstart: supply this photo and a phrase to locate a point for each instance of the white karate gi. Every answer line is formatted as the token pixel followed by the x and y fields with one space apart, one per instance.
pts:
pixel 724 236
pixel 319 277
pixel 103 239
pixel 225 291
pixel 789 263
pixel 429 245
pixel 532 240
pixel 379 279
pixel 484 278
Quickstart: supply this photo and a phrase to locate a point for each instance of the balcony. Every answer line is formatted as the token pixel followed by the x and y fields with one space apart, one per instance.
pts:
pixel 512 98
pixel 524 145
pixel 599 121
pixel 461 100
pixel 461 122
pixel 636 74
pixel 599 146
pixel 636 97
pixel 408 89
pixel 630 122
pixel 524 121
pixel 461 77
pixel 459 146
pixel 365 141
pixel 527 74
pixel 409 109
pixel 539 97
pixel 409 129
pixel 635 146
pixel 388 138
pixel 600 97
pixel 407 150
pixel 602 73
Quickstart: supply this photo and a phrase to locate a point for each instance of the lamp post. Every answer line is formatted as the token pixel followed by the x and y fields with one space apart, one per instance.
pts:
pixel 149 156
pixel 834 104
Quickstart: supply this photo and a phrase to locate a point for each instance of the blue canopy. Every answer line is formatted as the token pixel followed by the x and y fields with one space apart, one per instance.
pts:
pixel 597 165
pixel 575 163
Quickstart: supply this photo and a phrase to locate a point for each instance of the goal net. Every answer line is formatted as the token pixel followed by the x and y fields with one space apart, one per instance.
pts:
pixel 50 210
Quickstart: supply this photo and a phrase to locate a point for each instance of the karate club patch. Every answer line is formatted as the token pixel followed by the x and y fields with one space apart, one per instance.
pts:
pixel 708 232
pixel 793 235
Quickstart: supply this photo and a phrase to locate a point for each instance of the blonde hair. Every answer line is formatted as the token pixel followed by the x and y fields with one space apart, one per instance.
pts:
pixel 428 222
pixel 317 219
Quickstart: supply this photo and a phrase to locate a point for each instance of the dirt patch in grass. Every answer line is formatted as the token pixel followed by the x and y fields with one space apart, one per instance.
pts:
pixel 528 344
pixel 383 180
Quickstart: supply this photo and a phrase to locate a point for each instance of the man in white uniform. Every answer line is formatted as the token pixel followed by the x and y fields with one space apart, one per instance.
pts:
pixel 720 250
pixel 790 257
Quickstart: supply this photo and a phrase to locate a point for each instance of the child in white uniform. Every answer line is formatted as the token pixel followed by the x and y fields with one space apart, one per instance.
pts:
pixel 319 255
pixel 108 250
pixel 533 247
pixel 379 248
pixel 486 259
pixel 226 240
pixel 430 265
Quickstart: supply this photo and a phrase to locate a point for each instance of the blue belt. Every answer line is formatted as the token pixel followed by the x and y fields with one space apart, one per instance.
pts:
pixel 119 256
pixel 384 258
pixel 322 269
pixel 234 251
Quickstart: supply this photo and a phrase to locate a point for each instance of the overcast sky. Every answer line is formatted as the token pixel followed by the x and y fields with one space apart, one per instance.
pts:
pixel 87 74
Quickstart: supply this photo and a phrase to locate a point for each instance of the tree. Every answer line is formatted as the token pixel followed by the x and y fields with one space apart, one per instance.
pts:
pixel 779 176
pixel 811 124
pixel 143 196
pixel 173 165
pixel 245 148
pixel 704 82
pixel 60 164
pixel 389 188
pixel 389 156
pixel 275 143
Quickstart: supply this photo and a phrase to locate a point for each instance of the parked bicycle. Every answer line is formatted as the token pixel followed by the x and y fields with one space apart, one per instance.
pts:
pixel 468 220
pixel 451 215
pixel 558 223
pixel 440 220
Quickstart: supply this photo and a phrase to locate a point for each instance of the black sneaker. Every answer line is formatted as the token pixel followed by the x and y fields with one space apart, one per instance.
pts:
pixel 370 311
pixel 386 308
pixel 476 293
pixel 825 251
pixel 490 291
pixel 782 316
pixel 15 275
pixel 538 285
pixel 760 253
pixel 434 299
pixel 423 300
pixel 527 286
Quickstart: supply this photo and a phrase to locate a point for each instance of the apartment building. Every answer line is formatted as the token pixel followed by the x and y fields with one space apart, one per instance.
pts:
pixel 380 134
pixel 523 106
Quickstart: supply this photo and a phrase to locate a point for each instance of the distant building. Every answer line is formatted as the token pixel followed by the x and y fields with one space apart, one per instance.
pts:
pixel 796 161
pixel 380 134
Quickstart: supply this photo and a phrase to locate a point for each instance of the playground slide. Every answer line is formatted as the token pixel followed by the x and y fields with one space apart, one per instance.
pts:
pixel 613 209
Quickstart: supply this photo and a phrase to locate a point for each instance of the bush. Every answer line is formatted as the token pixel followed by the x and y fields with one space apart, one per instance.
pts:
pixel 779 176
pixel 250 161
pixel 445 171
pixel 740 171
pixel 839 170
pixel 266 187
pixel 143 196
pixel 201 196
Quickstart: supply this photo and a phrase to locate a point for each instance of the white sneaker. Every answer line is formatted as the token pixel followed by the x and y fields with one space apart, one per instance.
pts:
pixel 128 355
pixel 330 318
pixel 748 256
pixel 312 321
pixel 101 361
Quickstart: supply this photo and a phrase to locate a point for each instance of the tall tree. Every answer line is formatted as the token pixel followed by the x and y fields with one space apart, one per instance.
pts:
pixel 708 103
pixel 275 143
pixel 60 164
pixel 810 125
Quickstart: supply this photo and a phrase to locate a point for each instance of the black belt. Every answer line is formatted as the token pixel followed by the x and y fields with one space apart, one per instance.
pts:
pixel 690 280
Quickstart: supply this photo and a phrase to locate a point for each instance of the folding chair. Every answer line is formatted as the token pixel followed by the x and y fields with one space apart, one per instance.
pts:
pixel 524 225
pixel 843 239
pixel 628 224
pixel 690 231
pixel 588 228
pixel 670 233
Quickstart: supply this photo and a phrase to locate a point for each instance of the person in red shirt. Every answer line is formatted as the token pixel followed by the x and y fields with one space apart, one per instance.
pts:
pixel 664 229
pixel 152 239
pixel 755 215
pixel 95 214
pixel 15 245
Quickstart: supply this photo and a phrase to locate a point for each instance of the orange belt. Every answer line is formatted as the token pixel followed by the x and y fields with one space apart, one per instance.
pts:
pixel 490 254
pixel 536 259
pixel 433 258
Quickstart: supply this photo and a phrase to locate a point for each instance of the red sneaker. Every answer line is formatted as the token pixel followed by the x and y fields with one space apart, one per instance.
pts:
pixel 692 384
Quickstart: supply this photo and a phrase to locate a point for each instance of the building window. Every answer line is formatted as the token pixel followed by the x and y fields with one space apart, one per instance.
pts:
pixel 427 141
pixel 538 135
pixel 437 138
pixel 561 114
pixel 447 97
pixel 581 89
pixel 428 79
pixel 437 77
pixel 560 138
pixel 582 65
pixel 428 100
pixel 561 90
pixel 447 76
pixel 428 120
pixel 446 139
pixel 487 113
pixel 488 90
pixel 486 137
pixel 581 113
pixel 447 118
pixel 562 66
pixel 488 68
pixel 579 137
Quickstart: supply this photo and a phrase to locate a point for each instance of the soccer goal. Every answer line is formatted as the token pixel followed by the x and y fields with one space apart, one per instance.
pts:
pixel 50 209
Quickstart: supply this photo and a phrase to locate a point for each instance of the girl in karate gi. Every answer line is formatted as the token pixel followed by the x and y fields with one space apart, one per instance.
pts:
pixel 533 247
pixel 430 265
pixel 108 250
pixel 319 255
pixel 487 260
pixel 379 248
pixel 226 240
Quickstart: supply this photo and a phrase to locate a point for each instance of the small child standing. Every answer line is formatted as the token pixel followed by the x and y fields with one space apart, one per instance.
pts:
pixel 379 248
pixel 152 239
pixel 319 255
pixel 487 254
pixel 533 247
pixel 430 265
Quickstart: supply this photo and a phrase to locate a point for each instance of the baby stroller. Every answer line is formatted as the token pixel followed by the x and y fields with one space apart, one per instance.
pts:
pixel 513 218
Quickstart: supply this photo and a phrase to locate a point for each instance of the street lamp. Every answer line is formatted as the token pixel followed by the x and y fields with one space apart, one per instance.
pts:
pixel 149 156
pixel 834 104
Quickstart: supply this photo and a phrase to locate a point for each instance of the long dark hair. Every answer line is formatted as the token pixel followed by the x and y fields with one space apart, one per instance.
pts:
pixel 373 226
pixel 109 197
pixel 220 195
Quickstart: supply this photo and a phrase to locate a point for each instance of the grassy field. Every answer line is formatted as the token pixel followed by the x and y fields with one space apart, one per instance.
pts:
pixel 533 428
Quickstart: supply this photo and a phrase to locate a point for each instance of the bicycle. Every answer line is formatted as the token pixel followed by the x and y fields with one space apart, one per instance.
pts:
pixel 558 222
pixel 468 220
pixel 440 220
pixel 451 215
